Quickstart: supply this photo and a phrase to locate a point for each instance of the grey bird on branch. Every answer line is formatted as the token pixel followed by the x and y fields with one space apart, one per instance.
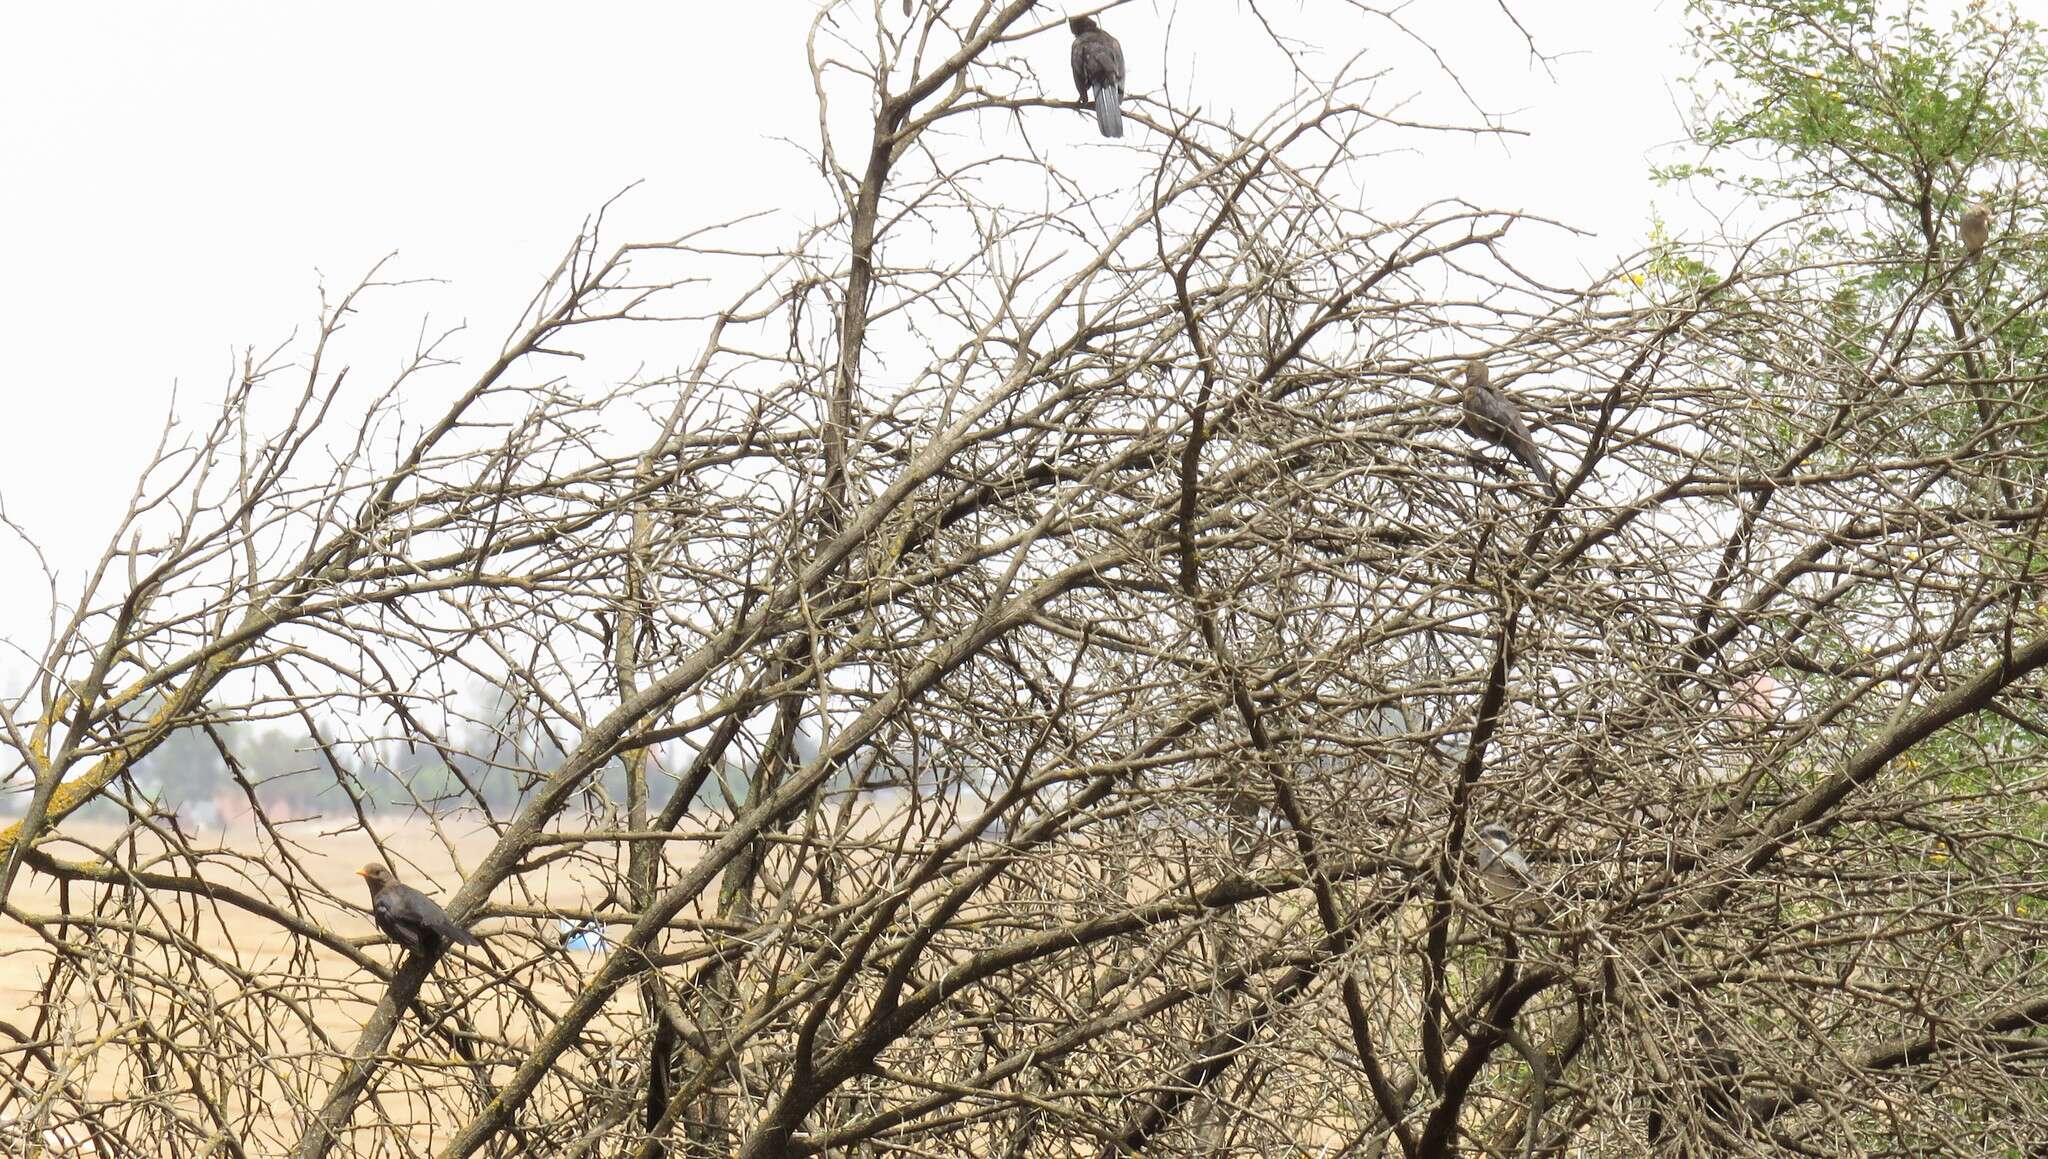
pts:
pixel 1491 416
pixel 1500 862
pixel 1975 229
pixel 409 917
pixel 1099 68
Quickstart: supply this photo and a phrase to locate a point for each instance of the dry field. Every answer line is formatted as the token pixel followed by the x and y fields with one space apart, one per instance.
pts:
pixel 287 1006
pixel 276 1011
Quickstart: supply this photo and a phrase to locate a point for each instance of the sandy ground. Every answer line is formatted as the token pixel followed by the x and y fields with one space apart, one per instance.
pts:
pixel 289 1003
pixel 269 1019
pixel 329 860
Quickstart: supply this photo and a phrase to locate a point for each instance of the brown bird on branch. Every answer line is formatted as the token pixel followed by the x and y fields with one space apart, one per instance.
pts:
pixel 409 917
pixel 1975 229
pixel 1491 416
pixel 1099 66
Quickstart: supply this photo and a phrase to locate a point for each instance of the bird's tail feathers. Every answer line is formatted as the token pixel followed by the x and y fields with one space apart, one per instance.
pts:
pixel 1533 459
pixel 1109 113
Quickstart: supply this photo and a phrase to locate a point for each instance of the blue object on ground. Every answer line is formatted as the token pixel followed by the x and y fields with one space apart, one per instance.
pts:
pixel 585 935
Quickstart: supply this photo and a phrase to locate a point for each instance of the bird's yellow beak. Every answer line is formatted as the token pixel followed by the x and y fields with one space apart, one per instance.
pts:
pixel 362 873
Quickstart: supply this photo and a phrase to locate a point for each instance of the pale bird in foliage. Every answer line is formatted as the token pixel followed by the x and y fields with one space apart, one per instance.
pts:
pixel 1976 229
pixel 1501 865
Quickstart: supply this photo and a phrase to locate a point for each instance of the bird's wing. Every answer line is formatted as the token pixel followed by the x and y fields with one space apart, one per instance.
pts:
pixel 1513 859
pixel 1491 416
pixel 428 915
pixel 1098 61
pixel 1483 858
pixel 1524 448
pixel 454 933
pixel 1504 415
pixel 393 921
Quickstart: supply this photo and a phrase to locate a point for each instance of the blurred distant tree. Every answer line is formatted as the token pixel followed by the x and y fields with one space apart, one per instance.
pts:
pixel 1030 683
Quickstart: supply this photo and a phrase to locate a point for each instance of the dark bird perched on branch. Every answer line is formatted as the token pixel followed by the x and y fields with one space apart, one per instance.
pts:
pixel 1099 66
pixel 1710 1080
pixel 409 917
pixel 1976 228
pixel 1490 416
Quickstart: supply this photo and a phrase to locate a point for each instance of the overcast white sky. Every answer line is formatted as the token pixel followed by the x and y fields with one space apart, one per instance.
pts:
pixel 180 178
